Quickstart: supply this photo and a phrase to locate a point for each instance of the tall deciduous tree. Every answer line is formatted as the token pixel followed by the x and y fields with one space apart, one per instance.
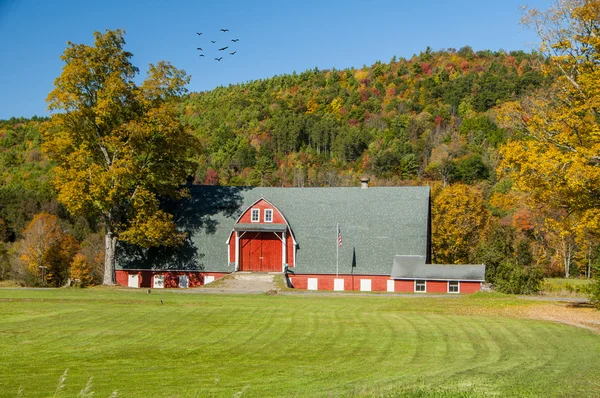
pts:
pixel 557 159
pixel 458 218
pixel 118 145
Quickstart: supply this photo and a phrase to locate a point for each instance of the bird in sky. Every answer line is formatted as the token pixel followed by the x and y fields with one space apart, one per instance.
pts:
pixel 233 53
pixel 235 40
pixel 212 41
pixel 224 48
pixel 201 55
pixel 224 30
pixel 199 33
pixel 199 48
pixel 218 59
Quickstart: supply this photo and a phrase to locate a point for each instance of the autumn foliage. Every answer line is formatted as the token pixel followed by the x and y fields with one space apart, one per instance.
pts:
pixel 116 144
pixel 47 250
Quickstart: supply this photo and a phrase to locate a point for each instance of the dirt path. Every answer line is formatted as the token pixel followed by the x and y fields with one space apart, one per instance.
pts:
pixel 574 314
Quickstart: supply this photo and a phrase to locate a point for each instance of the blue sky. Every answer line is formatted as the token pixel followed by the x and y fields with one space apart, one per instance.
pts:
pixel 276 37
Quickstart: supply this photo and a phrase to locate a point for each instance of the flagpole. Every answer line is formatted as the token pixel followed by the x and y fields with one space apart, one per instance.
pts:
pixel 337 250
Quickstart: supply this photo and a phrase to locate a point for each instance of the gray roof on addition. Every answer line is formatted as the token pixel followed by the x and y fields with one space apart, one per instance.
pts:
pixel 376 224
pixel 414 267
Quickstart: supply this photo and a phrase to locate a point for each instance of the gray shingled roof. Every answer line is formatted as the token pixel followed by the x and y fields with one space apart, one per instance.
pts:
pixel 414 267
pixel 376 224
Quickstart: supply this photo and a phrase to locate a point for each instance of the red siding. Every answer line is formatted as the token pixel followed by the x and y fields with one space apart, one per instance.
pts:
pixel 379 283
pixel 290 250
pixel 437 287
pixel 232 247
pixel 123 277
pixel 470 287
pixel 325 282
pixel 195 279
pixel 351 282
pixel 405 286
pixel 262 205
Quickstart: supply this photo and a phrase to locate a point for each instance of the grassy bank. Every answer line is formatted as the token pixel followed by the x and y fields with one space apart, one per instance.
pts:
pixel 301 345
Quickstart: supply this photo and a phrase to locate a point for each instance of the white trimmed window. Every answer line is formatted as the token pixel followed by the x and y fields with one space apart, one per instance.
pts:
pixel 453 287
pixel 268 215
pixel 183 281
pixel 133 280
pixel 312 283
pixel 159 282
pixel 338 285
pixel 209 279
pixel 255 215
pixel 420 286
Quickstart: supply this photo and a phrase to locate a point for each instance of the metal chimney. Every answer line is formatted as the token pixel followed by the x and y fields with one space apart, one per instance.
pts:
pixel 364 182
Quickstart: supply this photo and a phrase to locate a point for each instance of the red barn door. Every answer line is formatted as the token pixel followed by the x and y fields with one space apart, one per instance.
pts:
pixel 260 252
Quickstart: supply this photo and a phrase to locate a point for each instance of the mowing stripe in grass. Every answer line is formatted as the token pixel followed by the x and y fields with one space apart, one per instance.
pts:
pixel 283 346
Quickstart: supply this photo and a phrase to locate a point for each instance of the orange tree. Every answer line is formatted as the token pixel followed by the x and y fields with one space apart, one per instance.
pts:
pixel 118 145
pixel 45 244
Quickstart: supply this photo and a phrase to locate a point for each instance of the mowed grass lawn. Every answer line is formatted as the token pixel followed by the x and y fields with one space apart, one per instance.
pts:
pixel 204 345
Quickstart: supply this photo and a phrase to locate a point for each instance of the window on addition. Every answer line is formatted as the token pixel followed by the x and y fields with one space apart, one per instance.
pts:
pixel 453 287
pixel 268 215
pixel 420 286
pixel 255 215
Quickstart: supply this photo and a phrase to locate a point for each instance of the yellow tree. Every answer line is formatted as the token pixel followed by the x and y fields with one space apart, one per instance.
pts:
pixel 458 218
pixel 118 145
pixel 557 155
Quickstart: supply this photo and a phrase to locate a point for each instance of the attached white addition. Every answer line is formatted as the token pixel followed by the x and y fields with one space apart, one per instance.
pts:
pixel 133 280
pixel 390 285
pixel 255 215
pixel 268 215
pixel 312 283
pixel 453 287
pixel 420 286
pixel 183 281
pixel 159 282
pixel 338 284
pixel 365 285
pixel 209 279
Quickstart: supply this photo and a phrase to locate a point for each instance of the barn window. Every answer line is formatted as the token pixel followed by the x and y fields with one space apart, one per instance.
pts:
pixel 420 286
pixel 159 282
pixel 453 287
pixel 268 215
pixel 255 215
pixel 183 281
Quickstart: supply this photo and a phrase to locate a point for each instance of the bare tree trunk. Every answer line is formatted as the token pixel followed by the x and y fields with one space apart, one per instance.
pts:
pixel 110 243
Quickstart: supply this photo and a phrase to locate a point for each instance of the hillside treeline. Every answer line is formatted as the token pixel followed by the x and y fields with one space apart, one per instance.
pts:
pixel 407 120
pixel 431 119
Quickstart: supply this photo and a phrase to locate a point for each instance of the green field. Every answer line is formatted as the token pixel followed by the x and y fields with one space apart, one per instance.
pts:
pixel 197 345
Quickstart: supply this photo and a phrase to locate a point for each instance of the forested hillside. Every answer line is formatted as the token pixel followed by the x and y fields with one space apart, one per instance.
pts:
pixel 406 120
pixel 428 120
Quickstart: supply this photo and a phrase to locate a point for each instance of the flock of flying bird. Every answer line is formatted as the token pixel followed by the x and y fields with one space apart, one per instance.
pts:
pixel 220 49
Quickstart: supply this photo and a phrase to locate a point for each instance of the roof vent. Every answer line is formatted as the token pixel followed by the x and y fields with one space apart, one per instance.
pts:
pixel 364 182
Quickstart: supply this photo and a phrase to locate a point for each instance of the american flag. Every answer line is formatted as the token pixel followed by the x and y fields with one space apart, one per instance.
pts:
pixel 339 236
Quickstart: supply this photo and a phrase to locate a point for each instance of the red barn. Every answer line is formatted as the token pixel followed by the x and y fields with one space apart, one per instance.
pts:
pixel 331 238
